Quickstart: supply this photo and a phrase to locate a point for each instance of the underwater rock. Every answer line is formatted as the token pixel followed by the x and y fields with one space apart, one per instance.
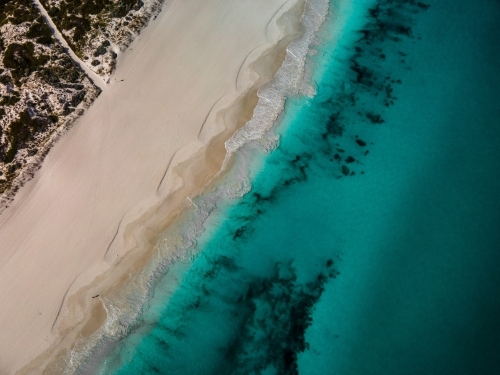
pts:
pixel 374 118
pixel 423 6
pixel 333 127
pixel 350 159
pixel 275 313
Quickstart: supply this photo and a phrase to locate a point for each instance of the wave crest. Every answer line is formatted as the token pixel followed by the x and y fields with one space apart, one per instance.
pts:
pixel 124 308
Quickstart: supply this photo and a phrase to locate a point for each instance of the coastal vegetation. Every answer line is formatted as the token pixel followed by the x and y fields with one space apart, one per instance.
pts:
pixel 41 90
pixel 97 29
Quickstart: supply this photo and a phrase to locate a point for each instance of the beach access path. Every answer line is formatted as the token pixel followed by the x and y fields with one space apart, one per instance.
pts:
pixel 65 226
pixel 93 76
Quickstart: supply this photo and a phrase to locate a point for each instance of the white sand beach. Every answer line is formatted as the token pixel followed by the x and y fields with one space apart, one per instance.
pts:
pixel 186 82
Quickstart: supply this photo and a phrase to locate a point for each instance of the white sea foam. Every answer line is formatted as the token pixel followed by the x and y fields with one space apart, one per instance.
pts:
pixel 179 241
pixel 287 81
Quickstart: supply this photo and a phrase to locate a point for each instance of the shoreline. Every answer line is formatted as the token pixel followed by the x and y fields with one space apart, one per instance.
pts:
pixel 162 228
pixel 76 296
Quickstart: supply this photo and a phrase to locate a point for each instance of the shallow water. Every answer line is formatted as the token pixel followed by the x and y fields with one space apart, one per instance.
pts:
pixel 369 242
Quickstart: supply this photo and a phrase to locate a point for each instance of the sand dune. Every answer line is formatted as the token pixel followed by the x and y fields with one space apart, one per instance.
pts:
pixel 66 226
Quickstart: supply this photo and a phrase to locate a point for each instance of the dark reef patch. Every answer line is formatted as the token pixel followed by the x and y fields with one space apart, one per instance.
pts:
pixel 220 263
pixel 350 159
pixel 369 90
pixel 275 313
pixel 374 118
pixel 333 127
pixel 345 170
pixel 269 316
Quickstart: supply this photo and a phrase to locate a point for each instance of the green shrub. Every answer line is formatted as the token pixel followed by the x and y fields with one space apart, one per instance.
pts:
pixel 41 31
pixel 16 11
pixel 20 131
pixel 46 40
pixel 78 98
pixel 22 60
pixel 121 8
pixel 72 21
pixel 5 79
pixel 92 7
pixel 19 56
pixel 48 75
pixel 9 99
pixel 101 50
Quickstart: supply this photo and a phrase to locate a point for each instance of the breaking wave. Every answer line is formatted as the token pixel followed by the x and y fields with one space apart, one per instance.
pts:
pixel 125 306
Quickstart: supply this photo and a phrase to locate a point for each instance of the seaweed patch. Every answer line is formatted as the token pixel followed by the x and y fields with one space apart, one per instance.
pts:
pixel 360 101
pixel 275 314
pixel 368 88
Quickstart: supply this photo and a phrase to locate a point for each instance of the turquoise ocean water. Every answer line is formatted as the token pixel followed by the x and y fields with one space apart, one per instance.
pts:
pixel 369 242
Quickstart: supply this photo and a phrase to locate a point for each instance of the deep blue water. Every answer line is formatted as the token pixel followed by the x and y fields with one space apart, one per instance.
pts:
pixel 370 241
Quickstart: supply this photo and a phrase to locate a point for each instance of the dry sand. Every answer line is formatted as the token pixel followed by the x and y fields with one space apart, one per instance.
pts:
pixel 110 184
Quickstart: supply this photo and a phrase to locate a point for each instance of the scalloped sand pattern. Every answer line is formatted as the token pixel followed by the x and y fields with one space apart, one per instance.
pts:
pixel 124 307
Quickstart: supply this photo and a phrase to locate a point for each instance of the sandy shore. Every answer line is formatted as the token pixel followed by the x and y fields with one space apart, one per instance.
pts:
pixel 120 175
